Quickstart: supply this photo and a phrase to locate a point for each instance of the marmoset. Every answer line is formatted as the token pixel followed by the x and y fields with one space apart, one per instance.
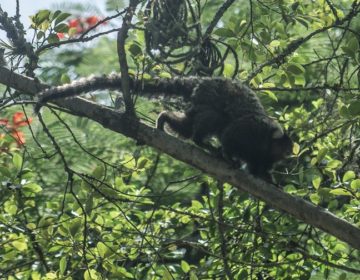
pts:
pixel 234 114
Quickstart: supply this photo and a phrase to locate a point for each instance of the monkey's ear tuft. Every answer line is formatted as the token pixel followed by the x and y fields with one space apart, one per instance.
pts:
pixel 277 134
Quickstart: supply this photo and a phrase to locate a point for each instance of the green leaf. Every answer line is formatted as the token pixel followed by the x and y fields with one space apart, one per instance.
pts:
pixel 321 154
pixel 355 185
pixel 333 164
pixel 91 274
pixel 194 277
pixel 103 250
pixel 62 265
pixel 135 49
pixel 32 187
pixel 275 43
pixel 167 275
pixel 354 108
pixel 20 244
pixel 53 38
pixel 295 68
pixel 89 204
pixel 10 207
pixel 342 276
pixel 340 191
pixel 5 172
pixel 55 14
pixel 99 172
pixel 41 16
pixel 142 162
pixel 348 176
pixel 40 35
pixel 61 17
pixel 315 198
pixel 65 79
pixel 270 94
pixel 224 32
pixel 185 266
pixel 17 161
pixel 316 182
pixel 75 226
pixel 61 28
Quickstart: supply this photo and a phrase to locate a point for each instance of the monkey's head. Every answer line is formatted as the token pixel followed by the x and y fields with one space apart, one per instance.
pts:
pixel 281 145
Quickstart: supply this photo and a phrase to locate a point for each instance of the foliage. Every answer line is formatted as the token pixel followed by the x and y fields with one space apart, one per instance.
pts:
pixel 80 202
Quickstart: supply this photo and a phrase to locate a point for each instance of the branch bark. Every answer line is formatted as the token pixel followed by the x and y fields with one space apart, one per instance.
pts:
pixel 131 127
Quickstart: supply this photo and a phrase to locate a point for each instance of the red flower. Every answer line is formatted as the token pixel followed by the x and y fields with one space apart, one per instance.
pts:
pixel 60 35
pixel 91 21
pixel 74 22
pixel 4 122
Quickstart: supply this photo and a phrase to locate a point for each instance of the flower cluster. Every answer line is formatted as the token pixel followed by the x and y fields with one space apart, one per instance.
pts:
pixel 12 127
pixel 80 25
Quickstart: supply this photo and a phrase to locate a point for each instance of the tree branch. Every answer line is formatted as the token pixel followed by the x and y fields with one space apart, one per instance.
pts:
pixel 131 127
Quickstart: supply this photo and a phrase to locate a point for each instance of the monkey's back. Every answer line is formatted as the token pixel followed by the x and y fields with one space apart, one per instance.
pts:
pixel 232 98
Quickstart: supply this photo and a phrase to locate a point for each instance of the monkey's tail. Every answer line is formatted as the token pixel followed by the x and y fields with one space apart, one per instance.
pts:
pixel 180 124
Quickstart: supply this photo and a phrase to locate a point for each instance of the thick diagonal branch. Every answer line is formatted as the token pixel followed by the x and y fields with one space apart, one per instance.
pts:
pixel 131 127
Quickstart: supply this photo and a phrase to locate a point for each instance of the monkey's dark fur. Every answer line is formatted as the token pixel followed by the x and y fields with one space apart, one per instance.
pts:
pixel 220 107
pixel 233 113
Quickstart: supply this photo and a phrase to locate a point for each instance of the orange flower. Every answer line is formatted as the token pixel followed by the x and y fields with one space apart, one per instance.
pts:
pixel 18 120
pixel 19 137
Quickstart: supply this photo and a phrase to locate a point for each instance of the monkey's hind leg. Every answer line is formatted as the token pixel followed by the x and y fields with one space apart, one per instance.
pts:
pixel 207 124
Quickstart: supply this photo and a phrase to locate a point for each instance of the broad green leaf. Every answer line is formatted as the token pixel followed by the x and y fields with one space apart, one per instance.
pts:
pixel 61 17
pixel 103 250
pixel 75 226
pixel 333 164
pixel 91 274
pixel 348 176
pixel 61 28
pixel 224 32
pixel 17 161
pixel 275 43
pixel 314 197
pixel 65 79
pixel 185 266
pixel 135 49
pixel 51 275
pixel 10 207
pixel 32 187
pixel 354 108
pixel 62 265
pixel 295 68
pixel 194 277
pixel 41 16
pixel 316 182
pixel 21 245
pixel 340 191
pixel 55 14
pixel 53 38
pixel 5 172
pixel 167 275
pixel 99 172
pixel 296 149
pixel 355 185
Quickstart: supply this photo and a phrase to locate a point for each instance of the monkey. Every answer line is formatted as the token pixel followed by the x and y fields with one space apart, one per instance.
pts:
pixel 234 114
pixel 219 107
